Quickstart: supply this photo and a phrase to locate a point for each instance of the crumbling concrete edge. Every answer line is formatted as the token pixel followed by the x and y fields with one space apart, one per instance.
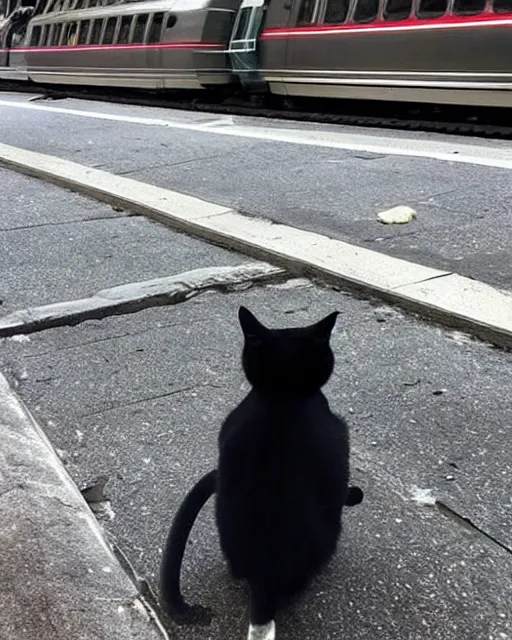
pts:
pixel 133 297
pixel 34 482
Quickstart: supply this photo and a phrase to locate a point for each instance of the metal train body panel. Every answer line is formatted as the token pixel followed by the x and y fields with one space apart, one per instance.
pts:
pixel 451 51
pixel 466 59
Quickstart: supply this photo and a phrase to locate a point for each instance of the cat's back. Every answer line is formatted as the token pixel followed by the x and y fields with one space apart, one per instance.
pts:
pixel 282 483
pixel 273 439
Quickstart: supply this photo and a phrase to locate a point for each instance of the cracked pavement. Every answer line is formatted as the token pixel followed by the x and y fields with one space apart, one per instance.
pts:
pixel 138 398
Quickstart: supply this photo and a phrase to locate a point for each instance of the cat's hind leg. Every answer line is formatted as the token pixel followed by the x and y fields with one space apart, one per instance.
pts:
pixel 262 613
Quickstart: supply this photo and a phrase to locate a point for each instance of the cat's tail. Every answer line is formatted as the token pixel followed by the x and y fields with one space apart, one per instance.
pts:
pixel 170 568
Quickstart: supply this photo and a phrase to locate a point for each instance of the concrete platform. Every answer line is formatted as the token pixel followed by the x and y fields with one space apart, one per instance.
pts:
pixel 138 399
pixel 58 245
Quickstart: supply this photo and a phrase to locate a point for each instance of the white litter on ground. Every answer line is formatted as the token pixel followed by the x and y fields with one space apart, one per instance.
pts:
pixel 397 215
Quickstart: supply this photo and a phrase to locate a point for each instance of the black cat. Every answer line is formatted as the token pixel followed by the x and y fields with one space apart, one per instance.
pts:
pixel 282 477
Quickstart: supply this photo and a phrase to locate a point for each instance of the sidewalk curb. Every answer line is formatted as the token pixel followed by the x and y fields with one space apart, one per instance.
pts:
pixel 60 576
pixel 133 297
pixel 445 297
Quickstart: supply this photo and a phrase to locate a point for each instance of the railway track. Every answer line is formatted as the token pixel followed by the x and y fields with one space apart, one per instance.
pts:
pixel 455 120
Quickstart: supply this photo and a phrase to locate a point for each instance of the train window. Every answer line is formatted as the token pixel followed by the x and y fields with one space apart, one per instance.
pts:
pixel 155 30
pixel 124 31
pixel 96 31
pixel 171 21
pixel 366 10
pixel 307 12
pixel 247 27
pixel 336 11
pixel 398 9
pixel 70 34
pixel 502 6
pixel 468 7
pixel 432 8
pixel 57 30
pixel 140 27
pixel 243 23
pixel 110 29
pixel 35 36
pixel 83 31
pixel 44 34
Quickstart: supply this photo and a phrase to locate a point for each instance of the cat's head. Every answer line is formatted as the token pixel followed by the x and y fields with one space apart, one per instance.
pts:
pixel 298 360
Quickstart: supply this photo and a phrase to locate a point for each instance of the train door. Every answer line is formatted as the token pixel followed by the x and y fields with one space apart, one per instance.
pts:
pixel 154 37
pixel 273 51
pixel 304 51
pixel 311 55
pixel 244 44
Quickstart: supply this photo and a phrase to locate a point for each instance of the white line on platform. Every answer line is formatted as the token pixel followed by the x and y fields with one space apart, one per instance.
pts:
pixel 456 300
pixel 488 156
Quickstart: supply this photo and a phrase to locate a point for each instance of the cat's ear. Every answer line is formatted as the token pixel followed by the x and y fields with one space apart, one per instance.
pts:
pixel 251 326
pixel 322 330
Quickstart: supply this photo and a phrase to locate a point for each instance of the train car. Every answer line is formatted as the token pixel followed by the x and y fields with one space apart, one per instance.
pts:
pixel 437 51
pixel 147 44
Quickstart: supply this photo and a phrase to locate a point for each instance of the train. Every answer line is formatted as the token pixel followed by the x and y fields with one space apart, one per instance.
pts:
pixel 455 52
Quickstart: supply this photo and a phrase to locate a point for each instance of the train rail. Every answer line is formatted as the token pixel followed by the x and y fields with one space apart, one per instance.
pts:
pixel 482 122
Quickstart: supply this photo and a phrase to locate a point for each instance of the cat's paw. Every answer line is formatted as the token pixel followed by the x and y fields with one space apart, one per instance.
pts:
pixel 355 496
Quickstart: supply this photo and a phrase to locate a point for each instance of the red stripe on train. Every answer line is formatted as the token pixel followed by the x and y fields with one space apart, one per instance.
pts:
pixel 102 47
pixel 409 24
